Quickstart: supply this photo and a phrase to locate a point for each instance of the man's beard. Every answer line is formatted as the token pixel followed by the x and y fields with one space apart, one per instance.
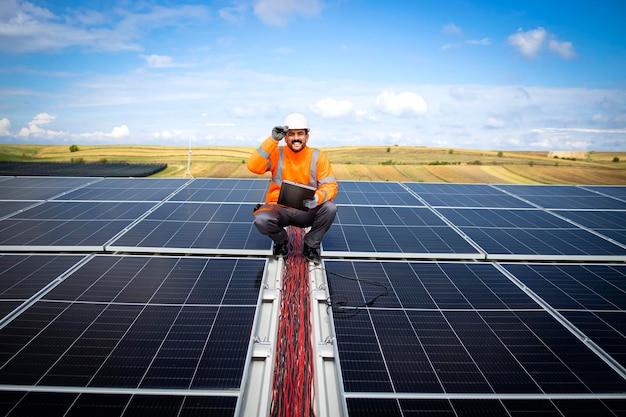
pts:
pixel 294 142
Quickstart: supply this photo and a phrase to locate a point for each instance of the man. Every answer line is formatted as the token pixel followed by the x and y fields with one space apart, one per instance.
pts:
pixel 298 163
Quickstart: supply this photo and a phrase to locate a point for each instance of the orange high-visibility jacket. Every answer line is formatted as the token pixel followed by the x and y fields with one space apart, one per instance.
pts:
pixel 309 166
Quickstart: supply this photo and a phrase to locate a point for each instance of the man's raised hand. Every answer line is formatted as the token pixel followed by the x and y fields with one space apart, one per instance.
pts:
pixel 278 133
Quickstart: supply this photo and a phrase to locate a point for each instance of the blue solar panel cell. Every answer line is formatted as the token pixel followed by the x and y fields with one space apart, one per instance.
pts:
pixel 109 325
pixel 45 235
pixel 484 352
pixel 606 328
pixel 223 190
pixel 400 230
pixel 370 407
pixel 596 219
pixel 21 276
pixel 466 195
pixel 448 188
pixel 529 232
pixel 447 327
pixel 85 211
pixel 563 197
pixel 11 207
pixel 373 193
pixel 545 190
pixel 20 403
pixel 608 190
pixel 426 285
pixel 39 188
pixel 591 297
pixel 611 224
pixel 589 287
pixel 463 200
pixel 178 227
pixel 567 244
pixel 126 189
pixel 522 219
pixel 416 241
pixel 362 363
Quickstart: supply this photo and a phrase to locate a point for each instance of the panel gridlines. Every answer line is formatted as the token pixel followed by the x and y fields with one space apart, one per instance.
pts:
pixel 202 226
pixel 68 224
pixel 454 329
pixel 461 332
pixel 591 297
pixel 393 230
pixel 140 323
pixel 519 233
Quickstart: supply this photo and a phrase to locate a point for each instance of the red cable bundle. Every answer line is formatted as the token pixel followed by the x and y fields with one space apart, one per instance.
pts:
pixel 292 393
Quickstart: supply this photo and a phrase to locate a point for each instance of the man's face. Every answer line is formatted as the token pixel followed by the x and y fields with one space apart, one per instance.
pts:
pixel 296 139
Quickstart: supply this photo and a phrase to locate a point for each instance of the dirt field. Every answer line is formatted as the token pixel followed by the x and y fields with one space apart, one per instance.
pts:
pixel 373 163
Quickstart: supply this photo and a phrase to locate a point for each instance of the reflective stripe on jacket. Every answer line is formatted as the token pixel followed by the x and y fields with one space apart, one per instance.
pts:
pixel 309 166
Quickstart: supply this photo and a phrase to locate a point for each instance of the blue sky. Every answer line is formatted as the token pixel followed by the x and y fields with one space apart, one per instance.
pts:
pixel 480 74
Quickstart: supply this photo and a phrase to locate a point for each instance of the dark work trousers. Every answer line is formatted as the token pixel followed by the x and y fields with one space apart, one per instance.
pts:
pixel 273 221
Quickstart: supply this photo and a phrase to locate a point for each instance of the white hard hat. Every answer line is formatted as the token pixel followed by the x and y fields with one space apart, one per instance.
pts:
pixel 296 121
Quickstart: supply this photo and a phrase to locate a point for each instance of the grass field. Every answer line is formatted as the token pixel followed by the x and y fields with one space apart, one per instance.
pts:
pixel 374 163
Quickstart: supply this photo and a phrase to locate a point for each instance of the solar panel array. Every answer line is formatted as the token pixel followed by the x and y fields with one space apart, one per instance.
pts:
pixel 142 296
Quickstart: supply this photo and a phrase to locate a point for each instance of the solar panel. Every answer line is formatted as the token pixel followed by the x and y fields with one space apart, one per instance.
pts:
pixel 22 276
pixel 466 195
pixel 180 325
pixel 104 331
pixel 361 407
pixel 223 190
pixel 82 226
pixel 609 190
pixel 375 193
pixel 592 297
pixel 39 188
pixel 127 189
pixel 465 329
pixel 394 231
pixel 196 228
pixel 563 197
pixel 10 207
pixel 611 224
pixel 73 404
pixel 530 234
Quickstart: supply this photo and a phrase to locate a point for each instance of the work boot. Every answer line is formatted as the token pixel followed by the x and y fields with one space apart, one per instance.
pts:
pixel 312 254
pixel 281 250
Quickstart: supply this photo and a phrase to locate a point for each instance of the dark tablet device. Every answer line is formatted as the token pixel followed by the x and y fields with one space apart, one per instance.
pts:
pixel 293 194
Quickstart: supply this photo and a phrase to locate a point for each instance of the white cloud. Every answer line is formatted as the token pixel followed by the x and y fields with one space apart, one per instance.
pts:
pixel 332 108
pixel 479 42
pixel 579 130
pixel 34 128
pixel 532 42
pixel 160 61
pixel 26 28
pixel 5 127
pixel 403 104
pixel 278 12
pixel 119 132
pixel 565 49
pixel 452 29
pixel 234 14
pixel 483 42
pixel 528 43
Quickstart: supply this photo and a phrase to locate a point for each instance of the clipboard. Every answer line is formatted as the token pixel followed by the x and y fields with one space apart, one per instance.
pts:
pixel 293 194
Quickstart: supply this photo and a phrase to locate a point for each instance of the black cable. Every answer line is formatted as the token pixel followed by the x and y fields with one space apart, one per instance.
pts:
pixel 341 306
